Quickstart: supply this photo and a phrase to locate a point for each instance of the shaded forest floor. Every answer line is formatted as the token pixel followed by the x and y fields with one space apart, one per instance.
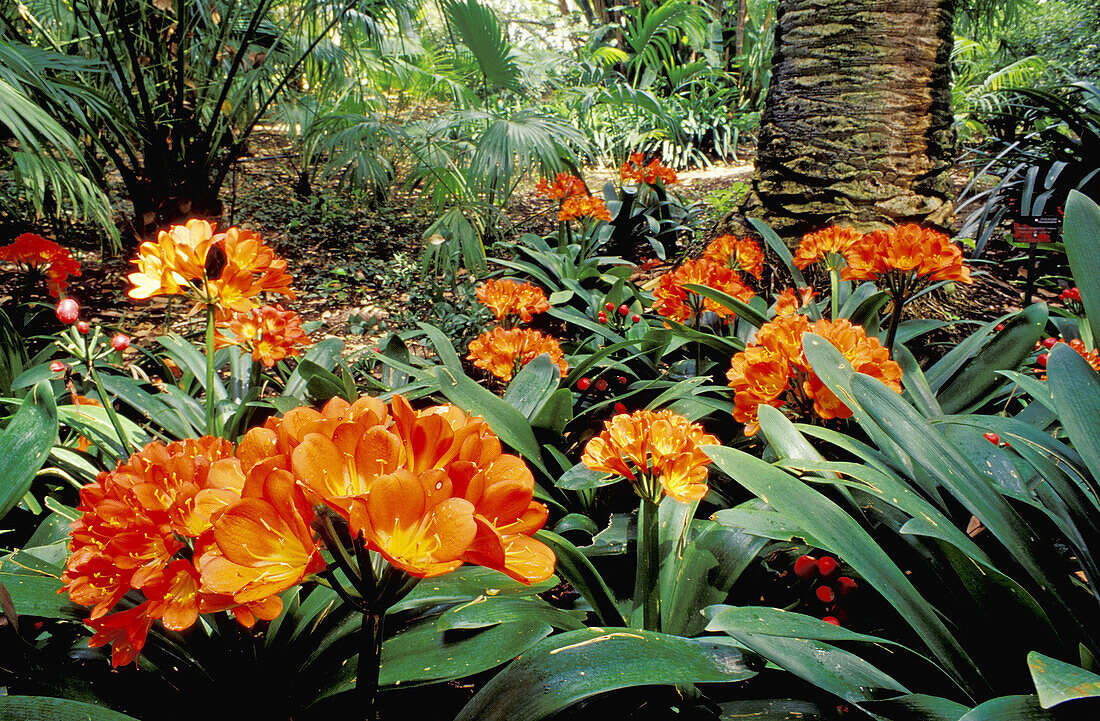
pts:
pixel 356 264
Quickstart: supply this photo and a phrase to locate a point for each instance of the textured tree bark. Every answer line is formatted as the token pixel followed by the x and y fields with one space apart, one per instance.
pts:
pixel 857 122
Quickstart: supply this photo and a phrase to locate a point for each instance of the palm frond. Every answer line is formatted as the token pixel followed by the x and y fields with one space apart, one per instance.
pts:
pixel 482 34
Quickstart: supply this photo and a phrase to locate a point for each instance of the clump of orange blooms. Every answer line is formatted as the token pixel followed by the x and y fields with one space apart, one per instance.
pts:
pixel 674 301
pixel 506 297
pixel 773 370
pixel 635 168
pixel 228 270
pixel 197 526
pixel 504 351
pixel 741 254
pixel 269 334
pixel 32 253
pixel 564 186
pixel 830 245
pixel 583 206
pixel 904 256
pixel 657 451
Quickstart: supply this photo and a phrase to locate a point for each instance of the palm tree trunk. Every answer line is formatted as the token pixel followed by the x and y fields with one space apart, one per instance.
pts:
pixel 857 122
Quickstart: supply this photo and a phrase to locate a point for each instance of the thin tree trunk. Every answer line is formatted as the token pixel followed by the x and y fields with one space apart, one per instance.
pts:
pixel 857 121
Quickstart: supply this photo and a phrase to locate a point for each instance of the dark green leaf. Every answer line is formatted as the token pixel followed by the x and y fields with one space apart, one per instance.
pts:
pixel 25 445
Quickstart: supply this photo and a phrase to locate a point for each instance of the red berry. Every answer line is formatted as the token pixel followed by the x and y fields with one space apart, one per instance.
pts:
pixel 832 620
pixel 602 317
pixel 825 594
pixel 1000 326
pixel 83 326
pixel 846 586
pixel 827 566
pixel 120 342
pixel 619 408
pixel 840 613
pixel 805 567
pixel 1048 343
pixel 583 383
pixel 68 310
pixel 610 307
pixel 601 385
pixel 1042 360
pixel 635 318
pixel 622 380
pixel 624 310
pixel 992 438
pixel 58 367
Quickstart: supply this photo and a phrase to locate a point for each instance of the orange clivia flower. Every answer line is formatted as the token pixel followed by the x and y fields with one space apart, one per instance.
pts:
pixel 791 301
pixel 741 254
pixel 506 297
pixel 830 245
pixel 659 452
pixel 137 526
pixel 228 270
pixel 503 352
pixel 576 207
pixel 636 169
pixel 674 301
pixel 906 255
pixel 773 370
pixel 564 186
pixel 32 253
pixel 269 333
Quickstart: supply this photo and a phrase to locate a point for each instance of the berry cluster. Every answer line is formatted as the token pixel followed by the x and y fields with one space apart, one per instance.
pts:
pixel 68 312
pixel 600 386
pixel 1072 299
pixel 832 586
pixel 617 316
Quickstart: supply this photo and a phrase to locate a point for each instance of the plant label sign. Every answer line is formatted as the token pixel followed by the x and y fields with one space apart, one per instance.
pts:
pixel 1035 229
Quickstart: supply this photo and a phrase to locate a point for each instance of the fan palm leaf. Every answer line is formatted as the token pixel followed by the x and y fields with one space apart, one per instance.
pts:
pixel 479 30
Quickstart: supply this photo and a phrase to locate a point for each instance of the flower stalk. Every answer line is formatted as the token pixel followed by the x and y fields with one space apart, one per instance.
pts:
pixel 211 418
pixel 647 591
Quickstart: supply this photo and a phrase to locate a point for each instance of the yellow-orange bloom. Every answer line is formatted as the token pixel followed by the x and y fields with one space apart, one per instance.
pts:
pixel 576 207
pixel 1092 356
pixel 908 251
pixel 773 370
pixel 635 168
pixel 564 186
pixel 228 270
pixel 506 297
pixel 742 254
pixel 269 333
pixel 503 352
pixel 34 254
pixel 674 301
pixel 830 245
pixel 657 451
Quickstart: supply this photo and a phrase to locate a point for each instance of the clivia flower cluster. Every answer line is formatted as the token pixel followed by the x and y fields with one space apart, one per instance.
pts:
pixel 576 201
pixel 1091 356
pixel 635 168
pixel 269 334
pixel 740 254
pixel 197 527
pixel 773 370
pixel 504 350
pixel 674 301
pixel 36 255
pixel 659 452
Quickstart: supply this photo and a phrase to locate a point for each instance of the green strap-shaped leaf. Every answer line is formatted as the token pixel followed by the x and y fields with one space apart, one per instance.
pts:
pixel 840 533
pixel 42 708
pixel 1076 391
pixel 917 707
pixel 566 668
pixel 742 309
pixel 1009 708
pixel 25 444
pixel 575 567
pixel 1057 681
pixel 1081 233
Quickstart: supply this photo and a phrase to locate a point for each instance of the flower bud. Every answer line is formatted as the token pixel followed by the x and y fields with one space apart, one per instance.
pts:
pixel 68 310
pixel 120 342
